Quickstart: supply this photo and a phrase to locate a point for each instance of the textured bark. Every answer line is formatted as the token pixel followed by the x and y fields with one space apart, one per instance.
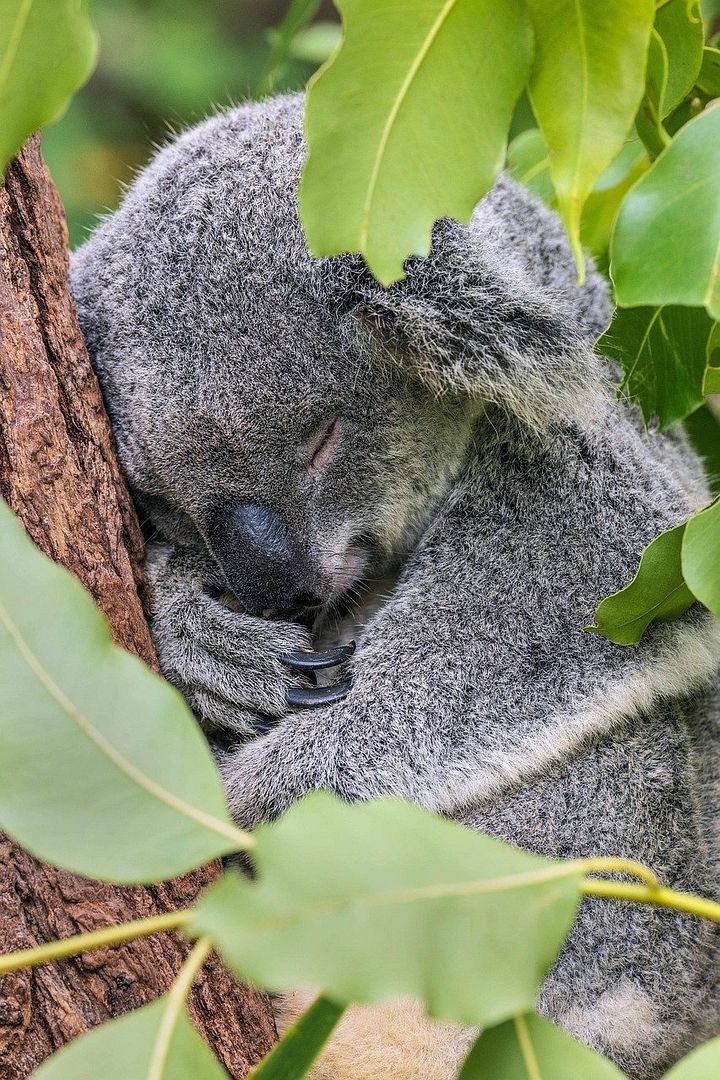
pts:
pixel 59 473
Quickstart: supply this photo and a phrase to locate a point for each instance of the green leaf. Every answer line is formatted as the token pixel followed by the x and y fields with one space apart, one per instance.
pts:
pixel 649 118
pixel 123 1050
pixel 666 244
pixel 383 900
pixel 585 88
pixel 604 201
pixel 701 556
pixel 679 23
pixel 297 16
pixel 103 769
pixel 709 78
pixel 292 1057
pixel 703 431
pixel 701 1064
pixel 657 593
pixel 47 51
pixel 711 382
pixel 663 352
pixel 316 43
pixel 528 162
pixel 531 1048
pixel 421 137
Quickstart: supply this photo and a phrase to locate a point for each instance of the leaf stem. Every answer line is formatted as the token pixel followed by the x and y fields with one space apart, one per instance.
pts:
pixel 611 864
pixel 94 939
pixel 175 1005
pixel 659 896
pixel 527 1050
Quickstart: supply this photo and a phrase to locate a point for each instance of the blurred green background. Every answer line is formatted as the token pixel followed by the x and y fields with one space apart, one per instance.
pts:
pixel 164 65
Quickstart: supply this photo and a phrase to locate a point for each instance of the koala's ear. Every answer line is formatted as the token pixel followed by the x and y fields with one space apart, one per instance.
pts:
pixel 494 312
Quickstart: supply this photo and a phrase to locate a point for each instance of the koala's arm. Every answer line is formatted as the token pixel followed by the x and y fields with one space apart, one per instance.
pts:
pixel 226 664
pixel 477 673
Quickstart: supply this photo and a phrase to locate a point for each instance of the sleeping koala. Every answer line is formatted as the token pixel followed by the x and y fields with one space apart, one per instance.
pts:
pixel 438 472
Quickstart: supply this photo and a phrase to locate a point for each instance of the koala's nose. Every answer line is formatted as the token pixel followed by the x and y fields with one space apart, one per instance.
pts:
pixel 264 566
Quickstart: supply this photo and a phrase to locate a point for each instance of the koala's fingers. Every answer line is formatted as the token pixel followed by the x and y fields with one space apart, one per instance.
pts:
pixel 216 715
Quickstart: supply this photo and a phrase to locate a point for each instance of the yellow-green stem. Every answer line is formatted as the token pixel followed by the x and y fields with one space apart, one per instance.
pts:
pixel 526 1048
pixel 660 897
pixel 174 1006
pixel 95 939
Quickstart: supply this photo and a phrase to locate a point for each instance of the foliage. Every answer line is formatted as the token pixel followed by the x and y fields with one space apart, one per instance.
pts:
pixel 75 747
pixel 399 134
pixel 376 900
pixel 36 78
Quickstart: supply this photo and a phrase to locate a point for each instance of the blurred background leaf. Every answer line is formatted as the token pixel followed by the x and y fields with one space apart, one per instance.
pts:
pixel 165 64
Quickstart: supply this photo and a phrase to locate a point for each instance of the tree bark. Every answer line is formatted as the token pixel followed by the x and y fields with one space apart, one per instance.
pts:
pixel 59 473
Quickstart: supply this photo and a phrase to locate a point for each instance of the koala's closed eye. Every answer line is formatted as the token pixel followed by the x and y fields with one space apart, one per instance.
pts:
pixel 324 443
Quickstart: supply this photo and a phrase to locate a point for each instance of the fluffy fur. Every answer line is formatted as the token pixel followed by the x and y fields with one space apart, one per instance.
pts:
pixel 483 493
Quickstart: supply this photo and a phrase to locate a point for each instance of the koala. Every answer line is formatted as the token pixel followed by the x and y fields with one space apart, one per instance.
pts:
pixel 438 473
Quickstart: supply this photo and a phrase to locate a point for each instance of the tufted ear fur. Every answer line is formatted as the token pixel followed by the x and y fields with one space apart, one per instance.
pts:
pixel 494 312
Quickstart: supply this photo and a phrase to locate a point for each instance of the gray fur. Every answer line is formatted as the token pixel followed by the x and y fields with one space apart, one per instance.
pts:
pixel 505 495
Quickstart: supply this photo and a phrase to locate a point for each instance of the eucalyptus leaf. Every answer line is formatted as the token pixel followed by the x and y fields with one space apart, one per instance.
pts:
pixel 127 1049
pixel 296 18
pixel 47 51
pixel 648 121
pixel 528 162
pixel 586 86
pixel 292 1057
pixel 663 352
pixel 701 1064
pixel 701 556
pixel 703 431
pixel 657 593
pixel 315 43
pixel 388 151
pixel 679 23
pixel 666 244
pixel 384 900
pixel 711 382
pixel 103 769
pixel 528 1048
pixel 708 79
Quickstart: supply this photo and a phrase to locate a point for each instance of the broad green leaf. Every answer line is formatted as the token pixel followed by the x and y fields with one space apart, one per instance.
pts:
pixel 701 1064
pixel 408 123
pixel 703 431
pixel 103 769
pixel 663 353
pixel 586 86
pixel 711 382
pixel 528 162
pixel 701 556
pixel 657 593
pixel 709 78
pixel 47 51
pixel 666 244
pixel 648 121
pixel 292 1057
pixel 127 1049
pixel 604 201
pixel 297 16
pixel 384 900
pixel 316 43
pixel 531 1048
pixel 680 25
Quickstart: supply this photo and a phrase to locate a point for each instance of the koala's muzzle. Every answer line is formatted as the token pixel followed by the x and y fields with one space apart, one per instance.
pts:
pixel 263 564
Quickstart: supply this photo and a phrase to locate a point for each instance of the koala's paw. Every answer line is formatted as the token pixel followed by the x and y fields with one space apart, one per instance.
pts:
pixel 238 673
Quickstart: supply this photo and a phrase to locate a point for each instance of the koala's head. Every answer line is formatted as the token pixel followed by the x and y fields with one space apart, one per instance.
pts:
pixel 288 414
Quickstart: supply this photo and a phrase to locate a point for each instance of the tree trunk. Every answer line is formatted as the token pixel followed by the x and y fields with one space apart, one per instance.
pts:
pixel 59 473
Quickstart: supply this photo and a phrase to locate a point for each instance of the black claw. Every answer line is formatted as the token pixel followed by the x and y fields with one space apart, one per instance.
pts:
pixel 300 660
pixel 263 724
pixel 301 697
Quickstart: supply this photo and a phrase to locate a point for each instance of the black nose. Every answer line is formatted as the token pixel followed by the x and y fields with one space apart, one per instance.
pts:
pixel 264 565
